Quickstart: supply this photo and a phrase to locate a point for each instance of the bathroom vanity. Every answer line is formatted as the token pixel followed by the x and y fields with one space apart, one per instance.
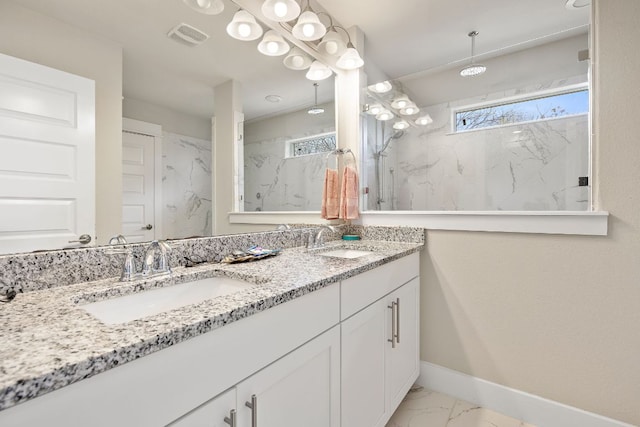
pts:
pixel 316 340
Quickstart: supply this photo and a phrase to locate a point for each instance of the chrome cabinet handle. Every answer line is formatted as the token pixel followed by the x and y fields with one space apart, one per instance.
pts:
pixel 253 405
pixel 147 227
pixel 397 320
pixel 231 419
pixel 392 340
pixel 84 239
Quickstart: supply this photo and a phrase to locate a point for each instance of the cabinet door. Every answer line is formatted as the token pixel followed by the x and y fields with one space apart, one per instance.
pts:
pixel 211 414
pixel 300 389
pixel 402 362
pixel 363 379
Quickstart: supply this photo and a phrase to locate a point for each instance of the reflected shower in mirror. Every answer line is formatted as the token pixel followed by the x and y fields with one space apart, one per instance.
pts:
pixel 515 137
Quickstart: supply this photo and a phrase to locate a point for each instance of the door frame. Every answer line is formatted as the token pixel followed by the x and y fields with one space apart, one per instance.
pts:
pixel 155 131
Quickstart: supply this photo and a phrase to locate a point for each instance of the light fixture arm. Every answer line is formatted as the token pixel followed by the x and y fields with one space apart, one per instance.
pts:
pixel 473 35
pixel 349 44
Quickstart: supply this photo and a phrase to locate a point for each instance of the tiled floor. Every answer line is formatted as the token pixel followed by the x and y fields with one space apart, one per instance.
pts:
pixel 424 408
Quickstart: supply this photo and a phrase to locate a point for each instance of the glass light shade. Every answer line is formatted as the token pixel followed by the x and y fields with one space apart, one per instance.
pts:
pixel 400 101
pixel 400 125
pixel 375 109
pixel 208 7
pixel 272 44
pixel 380 87
pixel 410 110
pixel 332 44
pixel 308 27
pixel 384 115
pixel 318 71
pixel 473 70
pixel 243 26
pixel 424 120
pixel 350 60
pixel 297 60
pixel 281 10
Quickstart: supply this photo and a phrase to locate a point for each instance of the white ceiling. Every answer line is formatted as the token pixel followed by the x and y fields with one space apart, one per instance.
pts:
pixel 402 37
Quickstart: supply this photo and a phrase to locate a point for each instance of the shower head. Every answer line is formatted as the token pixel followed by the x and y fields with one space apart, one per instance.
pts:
pixel 396 135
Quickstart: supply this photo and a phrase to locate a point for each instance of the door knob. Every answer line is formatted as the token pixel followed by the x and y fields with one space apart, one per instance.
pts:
pixel 83 239
pixel 147 227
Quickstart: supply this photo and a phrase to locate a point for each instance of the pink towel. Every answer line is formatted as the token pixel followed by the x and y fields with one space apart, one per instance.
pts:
pixel 330 195
pixel 349 194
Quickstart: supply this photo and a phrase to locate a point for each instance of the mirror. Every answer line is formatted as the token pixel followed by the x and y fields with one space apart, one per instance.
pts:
pixel 164 81
pixel 514 136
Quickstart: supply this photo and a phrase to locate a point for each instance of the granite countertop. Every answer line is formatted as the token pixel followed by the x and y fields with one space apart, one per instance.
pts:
pixel 49 342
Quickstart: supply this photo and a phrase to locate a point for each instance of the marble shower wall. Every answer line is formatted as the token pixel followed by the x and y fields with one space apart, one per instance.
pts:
pixel 186 186
pixel 492 169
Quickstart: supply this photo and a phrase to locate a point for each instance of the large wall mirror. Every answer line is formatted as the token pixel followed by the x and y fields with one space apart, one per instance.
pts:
pixel 495 118
pixel 170 81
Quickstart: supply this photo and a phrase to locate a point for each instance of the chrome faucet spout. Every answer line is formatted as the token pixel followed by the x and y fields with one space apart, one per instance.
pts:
pixel 317 240
pixel 156 259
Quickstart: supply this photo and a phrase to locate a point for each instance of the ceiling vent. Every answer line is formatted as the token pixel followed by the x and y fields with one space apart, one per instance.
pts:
pixel 187 34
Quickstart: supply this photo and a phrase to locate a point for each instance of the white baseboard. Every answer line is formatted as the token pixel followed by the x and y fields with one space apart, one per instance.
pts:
pixel 527 407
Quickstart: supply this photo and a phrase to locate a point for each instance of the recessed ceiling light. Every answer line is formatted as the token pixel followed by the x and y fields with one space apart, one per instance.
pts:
pixel 577 4
pixel 273 98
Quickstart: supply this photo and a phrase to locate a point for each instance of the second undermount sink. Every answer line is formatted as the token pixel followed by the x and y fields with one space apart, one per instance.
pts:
pixel 346 253
pixel 155 301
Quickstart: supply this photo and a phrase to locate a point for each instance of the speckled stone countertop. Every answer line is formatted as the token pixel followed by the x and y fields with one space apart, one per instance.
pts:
pixel 48 341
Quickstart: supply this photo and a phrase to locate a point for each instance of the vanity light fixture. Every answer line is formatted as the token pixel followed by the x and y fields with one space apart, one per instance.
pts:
pixel 281 10
pixel 297 60
pixel 473 69
pixel 308 27
pixel 244 27
pixel 273 44
pixel 384 115
pixel 374 109
pixel 380 87
pixel 350 59
pixel 318 71
pixel 410 110
pixel 315 109
pixel 332 43
pixel 208 7
pixel 424 120
pixel 400 125
pixel 401 101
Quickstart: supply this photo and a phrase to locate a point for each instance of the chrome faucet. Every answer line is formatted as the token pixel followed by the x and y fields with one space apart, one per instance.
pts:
pixel 283 227
pixel 8 291
pixel 316 239
pixel 118 240
pixel 156 259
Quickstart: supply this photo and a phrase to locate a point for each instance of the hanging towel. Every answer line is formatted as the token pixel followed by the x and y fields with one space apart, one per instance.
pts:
pixel 330 195
pixel 349 194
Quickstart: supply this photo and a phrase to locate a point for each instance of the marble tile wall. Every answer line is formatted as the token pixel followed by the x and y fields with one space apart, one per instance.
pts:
pixel 493 169
pixel 186 186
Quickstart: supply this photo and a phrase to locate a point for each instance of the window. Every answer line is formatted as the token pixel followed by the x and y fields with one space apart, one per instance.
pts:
pixel 315 144
pixel 545 107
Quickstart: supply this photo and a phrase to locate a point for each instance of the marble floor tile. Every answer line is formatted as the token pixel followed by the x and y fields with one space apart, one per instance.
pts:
pixel 425 408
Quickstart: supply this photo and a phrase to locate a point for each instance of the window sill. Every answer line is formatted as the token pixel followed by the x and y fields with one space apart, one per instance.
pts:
pixel 544 222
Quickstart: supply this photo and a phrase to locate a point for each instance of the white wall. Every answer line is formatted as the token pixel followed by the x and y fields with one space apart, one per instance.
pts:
pixel 556 316
pixel 38 38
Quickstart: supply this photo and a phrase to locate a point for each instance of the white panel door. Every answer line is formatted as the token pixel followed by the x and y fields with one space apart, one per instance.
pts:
pixel 47 157
pixel 138 187
pixel 300 390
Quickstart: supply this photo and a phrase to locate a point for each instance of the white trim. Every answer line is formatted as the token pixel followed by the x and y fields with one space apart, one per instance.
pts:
pixel 542 222
pixel 291 217
pixel 518 404
pixel 154 130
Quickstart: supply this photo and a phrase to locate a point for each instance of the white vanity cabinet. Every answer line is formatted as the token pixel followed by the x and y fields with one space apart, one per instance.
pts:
pixel 380 350
pixel 300 389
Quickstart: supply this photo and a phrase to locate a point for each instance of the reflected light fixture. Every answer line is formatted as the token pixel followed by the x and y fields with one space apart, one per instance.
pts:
pixel 272 44
pixel 380 87
pixel 424 120
pixel 374 109
pixel 208 7
pixel 350 59
pixel 318 71
pixel 315 109
pixel 332 43
pixel 400 125
pixel 410 109
pixel 384 115
pixel 297 60
pixel 400 101
pixel 473 69
pixel 577 4
pixel 281 10
pixel 243 26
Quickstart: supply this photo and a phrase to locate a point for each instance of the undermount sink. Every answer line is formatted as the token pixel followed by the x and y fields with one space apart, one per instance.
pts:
pixel 155 301
pixel 346 253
